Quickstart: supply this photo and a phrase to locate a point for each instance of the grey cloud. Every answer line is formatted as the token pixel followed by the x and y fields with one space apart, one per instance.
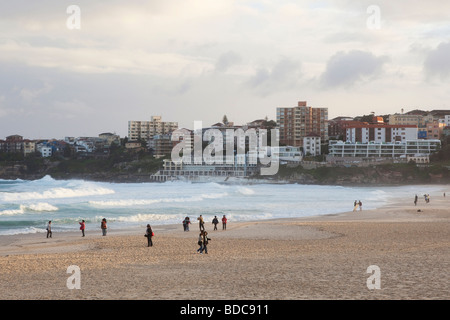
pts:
pixel 227 60
pixel 285 74
pixel 437 62
pixel 348 68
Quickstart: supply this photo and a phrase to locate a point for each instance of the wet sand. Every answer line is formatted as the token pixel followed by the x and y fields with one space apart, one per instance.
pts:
pixel 323 257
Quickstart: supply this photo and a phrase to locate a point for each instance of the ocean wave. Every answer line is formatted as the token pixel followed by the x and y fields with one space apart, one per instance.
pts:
pixel 245 191
pixel 41 206
pixel 144 202
pixel 55 193
pixel 27 230
pixel 150 218
pixel 11 212
pixel 38 207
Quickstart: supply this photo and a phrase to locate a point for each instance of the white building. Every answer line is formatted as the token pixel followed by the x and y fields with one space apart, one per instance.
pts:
pixel 45 151
pixel 446 120
pixel 383 150
pixel 284 154
pixel 311 145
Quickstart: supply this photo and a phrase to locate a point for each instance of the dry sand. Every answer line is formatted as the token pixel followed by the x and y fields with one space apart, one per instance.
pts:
pixel 324 257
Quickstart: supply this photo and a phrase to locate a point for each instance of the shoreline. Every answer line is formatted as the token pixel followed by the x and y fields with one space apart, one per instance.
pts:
pixel 121 229
pixel 320 257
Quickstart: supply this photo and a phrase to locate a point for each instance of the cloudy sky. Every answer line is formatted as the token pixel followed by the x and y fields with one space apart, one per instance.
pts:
pixel 189 60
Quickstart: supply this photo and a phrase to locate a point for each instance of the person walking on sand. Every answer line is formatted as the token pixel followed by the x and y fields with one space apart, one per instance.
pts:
pixel 360 205
pixel 415 200
pixel 224 223
pixel 149 234
pixel 49 229
pixel 201 223
pixel 205 240
pixel 82 227
pixel 186 223
pixel 104 227
pixel 215 222
pixel 200 242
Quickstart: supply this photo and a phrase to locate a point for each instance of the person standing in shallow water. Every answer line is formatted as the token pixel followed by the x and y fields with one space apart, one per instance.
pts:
pixel 149 235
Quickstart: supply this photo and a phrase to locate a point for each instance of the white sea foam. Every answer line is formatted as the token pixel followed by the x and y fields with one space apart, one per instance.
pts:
pixel 145 202
pixel 41 206
pixel 245 191
pixel 37 207
pixel 55 193
pixel 11 212
pixel 22 231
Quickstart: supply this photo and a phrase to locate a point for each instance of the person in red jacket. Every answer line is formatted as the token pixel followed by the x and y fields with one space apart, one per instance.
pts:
pixel 82 227
pixel 224 222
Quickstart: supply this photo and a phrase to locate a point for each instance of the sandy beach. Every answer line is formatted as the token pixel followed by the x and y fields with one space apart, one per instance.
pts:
pixel 323 257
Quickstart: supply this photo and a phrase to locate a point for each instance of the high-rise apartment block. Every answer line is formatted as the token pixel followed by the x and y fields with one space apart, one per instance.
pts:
pixel 145 130
pixel 295 123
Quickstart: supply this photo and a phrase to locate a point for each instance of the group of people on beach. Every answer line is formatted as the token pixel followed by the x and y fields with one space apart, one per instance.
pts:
pixel 357 204
pixel 425 196
pixel 203 238
pixel 149 234
pixel 103 227
pixel 201 223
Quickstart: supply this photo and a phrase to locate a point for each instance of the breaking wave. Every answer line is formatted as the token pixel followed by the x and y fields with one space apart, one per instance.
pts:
pixel 145 202
pixel 38 207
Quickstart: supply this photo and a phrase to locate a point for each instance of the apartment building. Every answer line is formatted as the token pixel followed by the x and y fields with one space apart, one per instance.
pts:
pixel 295 123
pixel 17 144
pixel 337 126
pixel 382 150
pixel 430 123
pixel 434 129
pixel 380 133
pixel 410 119
pixel 446 120
pixel 161 145
pixel 29 147
pixel 145 130
pixel 312 145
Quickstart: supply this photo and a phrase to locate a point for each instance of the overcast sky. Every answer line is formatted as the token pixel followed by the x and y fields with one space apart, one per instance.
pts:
pixel 194 60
